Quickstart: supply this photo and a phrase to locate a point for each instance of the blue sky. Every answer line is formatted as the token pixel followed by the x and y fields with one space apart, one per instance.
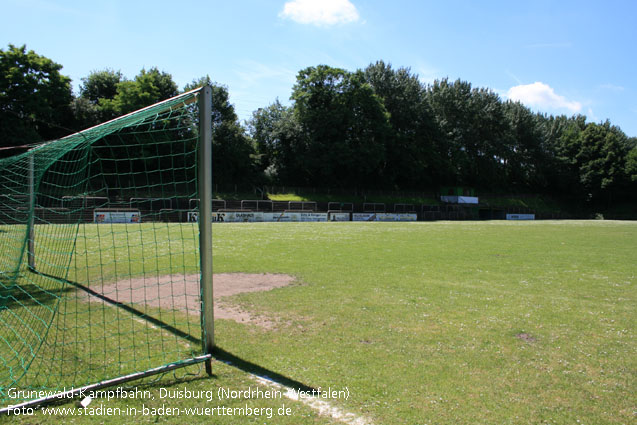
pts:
pixel 559 57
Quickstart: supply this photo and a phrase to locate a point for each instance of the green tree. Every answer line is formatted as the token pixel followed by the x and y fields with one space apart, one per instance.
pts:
pixel 276 133
pixel 523 151
pixel 472 125
pixel 343 126
pixel 233 154
pixel 85 113
pixel 564 143
pixel 34 98
pixel 148 87
pixel 411 151
pixel 601 159
pixel 631 164
pixel 100 85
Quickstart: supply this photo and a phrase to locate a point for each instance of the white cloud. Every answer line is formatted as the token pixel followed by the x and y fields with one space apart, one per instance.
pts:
pixel 320 12
pixel 542 96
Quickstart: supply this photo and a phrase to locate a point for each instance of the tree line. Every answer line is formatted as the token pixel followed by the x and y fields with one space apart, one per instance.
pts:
pixel 377 127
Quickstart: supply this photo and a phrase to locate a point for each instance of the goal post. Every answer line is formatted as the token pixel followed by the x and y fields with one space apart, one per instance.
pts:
pixel 205 220
pixel 31 238
pixel 93 292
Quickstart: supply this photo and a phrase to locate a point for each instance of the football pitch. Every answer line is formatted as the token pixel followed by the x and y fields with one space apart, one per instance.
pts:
pixel 413 323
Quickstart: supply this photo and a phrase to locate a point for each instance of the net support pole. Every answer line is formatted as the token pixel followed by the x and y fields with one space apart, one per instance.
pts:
pixel 31 239
pixel 205 220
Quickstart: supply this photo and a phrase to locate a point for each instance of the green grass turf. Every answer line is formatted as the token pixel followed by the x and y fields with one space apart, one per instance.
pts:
pixel 439 323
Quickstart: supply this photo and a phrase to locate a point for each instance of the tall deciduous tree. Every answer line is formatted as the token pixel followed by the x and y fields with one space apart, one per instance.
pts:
pixel 631 169
pixel 472 124
pixel 34 98
pixel 523 148
pixel 276 133
pixel 100 85
pixel 412 155
pixel 564 141
pixel 601 159
pixel 233 154
pixel 147 88
pixel 343 128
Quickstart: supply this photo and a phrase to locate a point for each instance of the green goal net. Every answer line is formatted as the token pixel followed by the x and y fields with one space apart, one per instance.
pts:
pixel 99 254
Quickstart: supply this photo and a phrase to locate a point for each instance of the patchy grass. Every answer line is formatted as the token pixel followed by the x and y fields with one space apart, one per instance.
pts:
pixel 326 197
pixel 423 321
pixel 287 197
pixel 445 322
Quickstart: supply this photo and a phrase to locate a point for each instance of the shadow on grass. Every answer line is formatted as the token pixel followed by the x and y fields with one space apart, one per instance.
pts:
pixel 218 354
pixel 131 310
pixel 254 369
pixel 17 292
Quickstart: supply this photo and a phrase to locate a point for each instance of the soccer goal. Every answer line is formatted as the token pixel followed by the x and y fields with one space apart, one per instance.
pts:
pixel 95 289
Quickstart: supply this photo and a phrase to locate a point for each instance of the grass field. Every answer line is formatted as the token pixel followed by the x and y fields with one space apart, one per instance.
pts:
pixel 429 323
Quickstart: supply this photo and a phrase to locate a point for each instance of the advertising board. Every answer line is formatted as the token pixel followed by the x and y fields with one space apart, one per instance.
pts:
pixel 116 216
pixel 396 216
pixel 239 217
pixel 229 217
pixel 313 216
pixel 363 216
pixel 384 217
pixel 520 216
pixel 339 216
pixel 459 199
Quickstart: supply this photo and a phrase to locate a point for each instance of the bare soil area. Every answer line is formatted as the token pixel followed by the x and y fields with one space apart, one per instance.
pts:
pixel 183 293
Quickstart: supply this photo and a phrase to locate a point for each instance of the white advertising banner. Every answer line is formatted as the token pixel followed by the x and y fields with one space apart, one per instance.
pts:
pixel 396 216
pixel 293 216
pixel 231 217
pixel 363 216
pixel 459 199
pixel 239 217
pixel 282 217
pixel 520 216
pixel 467 199
pixel 384 217
pixel 408 217
pixel 339 216
pixel 254 217
pixel 116 216
pixel 313 216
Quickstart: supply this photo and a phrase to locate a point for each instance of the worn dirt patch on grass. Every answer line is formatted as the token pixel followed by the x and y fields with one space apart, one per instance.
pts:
pixel 526 337
pixel 182 293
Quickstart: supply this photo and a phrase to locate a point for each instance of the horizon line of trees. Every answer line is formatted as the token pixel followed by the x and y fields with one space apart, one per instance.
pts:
pixel 377 127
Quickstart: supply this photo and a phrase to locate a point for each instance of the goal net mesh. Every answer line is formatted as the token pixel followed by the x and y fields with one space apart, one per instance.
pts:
pixel 99 262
